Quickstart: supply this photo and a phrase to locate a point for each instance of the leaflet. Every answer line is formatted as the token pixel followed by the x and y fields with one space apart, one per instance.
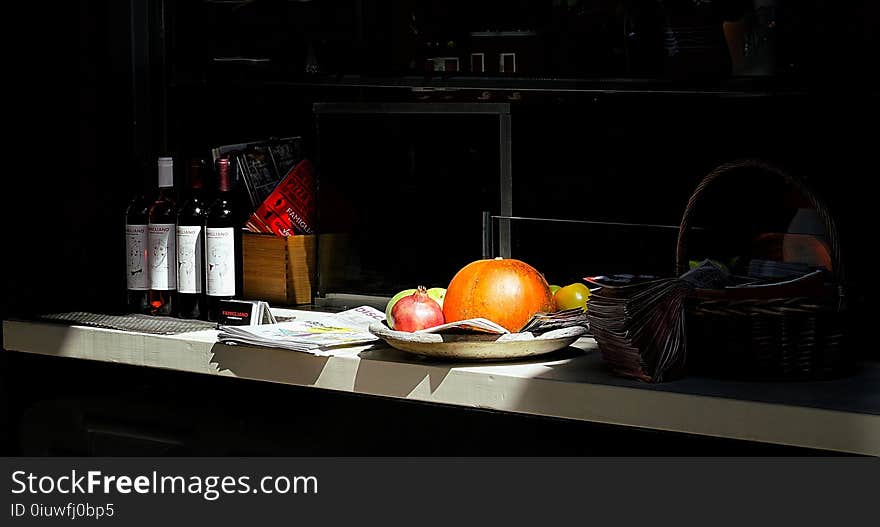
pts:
pixel 348 328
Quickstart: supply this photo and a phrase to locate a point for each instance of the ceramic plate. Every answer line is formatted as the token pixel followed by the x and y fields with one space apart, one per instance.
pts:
pixel 479 346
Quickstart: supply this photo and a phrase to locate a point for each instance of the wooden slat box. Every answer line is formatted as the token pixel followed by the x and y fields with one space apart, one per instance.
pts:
pixel 279 270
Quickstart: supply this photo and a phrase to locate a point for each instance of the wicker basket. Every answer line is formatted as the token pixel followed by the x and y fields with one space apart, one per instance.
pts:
pixel 771 333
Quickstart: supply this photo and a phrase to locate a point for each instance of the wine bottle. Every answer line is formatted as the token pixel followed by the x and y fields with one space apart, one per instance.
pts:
pixel 162 248
pixel 137 269
pixel 190 247
pixel 222 245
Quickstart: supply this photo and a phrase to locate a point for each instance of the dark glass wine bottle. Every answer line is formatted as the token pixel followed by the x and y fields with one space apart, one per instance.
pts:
pixel 190 247
pixel 222 245
pixel 137 270
pixel 162 250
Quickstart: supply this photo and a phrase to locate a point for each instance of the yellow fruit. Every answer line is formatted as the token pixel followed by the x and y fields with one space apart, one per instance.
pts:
pixel 572 296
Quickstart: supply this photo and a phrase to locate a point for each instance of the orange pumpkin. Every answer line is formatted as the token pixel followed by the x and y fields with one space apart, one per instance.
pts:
pixel 506 291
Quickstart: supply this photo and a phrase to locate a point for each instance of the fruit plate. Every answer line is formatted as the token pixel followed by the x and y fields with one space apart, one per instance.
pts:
pixel 479 346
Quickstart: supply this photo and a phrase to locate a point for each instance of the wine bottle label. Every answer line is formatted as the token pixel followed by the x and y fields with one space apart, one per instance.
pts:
pixel 220 246
pixel 189 259
pixel 163 256
pixel 137 270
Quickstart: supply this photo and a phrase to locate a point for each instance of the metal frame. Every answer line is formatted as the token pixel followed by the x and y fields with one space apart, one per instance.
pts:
pixel 412 108
pixel 502 110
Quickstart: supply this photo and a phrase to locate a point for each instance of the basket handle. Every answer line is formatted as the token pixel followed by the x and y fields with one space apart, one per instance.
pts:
pixel 681 261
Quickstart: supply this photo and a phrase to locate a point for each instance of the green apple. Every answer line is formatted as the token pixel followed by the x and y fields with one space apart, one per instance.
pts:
pixel 437 294
pixel 554 288
pixel 390 306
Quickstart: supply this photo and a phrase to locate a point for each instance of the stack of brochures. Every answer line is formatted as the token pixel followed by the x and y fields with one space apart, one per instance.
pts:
pixel 319 336
pixel 638 324
pixel 543 322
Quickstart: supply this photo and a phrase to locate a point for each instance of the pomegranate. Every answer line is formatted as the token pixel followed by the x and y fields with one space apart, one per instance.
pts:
pixel 416 311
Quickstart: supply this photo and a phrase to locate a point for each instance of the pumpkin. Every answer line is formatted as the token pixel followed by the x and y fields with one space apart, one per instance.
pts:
pixel 506 291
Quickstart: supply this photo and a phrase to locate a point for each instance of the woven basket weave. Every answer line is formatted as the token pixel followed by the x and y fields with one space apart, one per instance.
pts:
pixel 773 333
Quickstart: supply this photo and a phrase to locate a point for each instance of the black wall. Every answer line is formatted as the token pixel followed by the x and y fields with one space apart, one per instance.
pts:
pixel 69 163
pixel 96 104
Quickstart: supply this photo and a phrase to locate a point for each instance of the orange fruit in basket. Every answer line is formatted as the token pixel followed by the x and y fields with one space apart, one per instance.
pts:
pixel 506 291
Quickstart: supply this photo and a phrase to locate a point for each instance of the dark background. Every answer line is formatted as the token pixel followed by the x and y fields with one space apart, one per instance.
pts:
pixel 95 94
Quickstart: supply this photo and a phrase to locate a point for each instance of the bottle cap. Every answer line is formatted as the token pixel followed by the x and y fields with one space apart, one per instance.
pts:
pixel 166 172
pixel 223 174
pixel 194 173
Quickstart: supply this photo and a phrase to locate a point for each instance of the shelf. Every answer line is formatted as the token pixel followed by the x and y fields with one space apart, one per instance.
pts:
pixel 841 415
pixel 737 87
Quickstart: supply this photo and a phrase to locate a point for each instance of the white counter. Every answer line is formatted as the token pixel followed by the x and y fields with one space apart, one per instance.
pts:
pixel 832 415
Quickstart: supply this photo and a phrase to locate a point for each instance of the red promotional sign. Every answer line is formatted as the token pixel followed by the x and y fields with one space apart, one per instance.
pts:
pixel 290 208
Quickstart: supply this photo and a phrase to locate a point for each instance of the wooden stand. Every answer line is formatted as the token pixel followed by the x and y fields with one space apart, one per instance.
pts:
pixel 279 270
